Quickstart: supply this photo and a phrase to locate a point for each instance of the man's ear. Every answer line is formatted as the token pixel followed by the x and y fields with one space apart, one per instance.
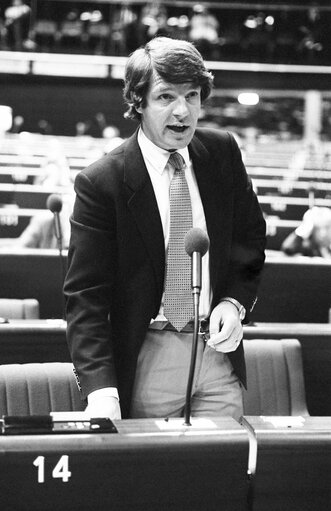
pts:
pixel 137 100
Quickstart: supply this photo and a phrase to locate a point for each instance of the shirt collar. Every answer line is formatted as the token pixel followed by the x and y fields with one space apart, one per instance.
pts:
pixel 157 156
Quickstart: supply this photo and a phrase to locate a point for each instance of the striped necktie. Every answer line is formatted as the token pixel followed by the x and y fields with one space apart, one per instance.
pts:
pixel 178 301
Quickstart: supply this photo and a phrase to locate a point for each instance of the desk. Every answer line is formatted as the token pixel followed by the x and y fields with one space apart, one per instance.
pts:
pixel 29 196
pixel 24 341
pixel 14 220
pixel 272 173
pixel 278 230
pixel 292 289
pixel 33 273
pixel 293 463
pixel 290 188
pixel 289 208
pixel 143 467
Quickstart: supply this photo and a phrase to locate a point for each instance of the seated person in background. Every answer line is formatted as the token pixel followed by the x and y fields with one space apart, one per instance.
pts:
pixel 313 236
pixel 40 232
pixel 56 169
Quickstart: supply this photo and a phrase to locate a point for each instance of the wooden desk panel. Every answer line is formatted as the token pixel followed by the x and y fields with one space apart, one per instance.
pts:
pixel 28 341
pixel 293 463
pixel 33 273
pixel 289 208
pixel 29 196
pixel 294 290
pixel 143 468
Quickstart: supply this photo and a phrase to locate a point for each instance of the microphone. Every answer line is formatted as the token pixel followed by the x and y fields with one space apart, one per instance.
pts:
pixel 54 204
pixel 196 245
pixel 311 195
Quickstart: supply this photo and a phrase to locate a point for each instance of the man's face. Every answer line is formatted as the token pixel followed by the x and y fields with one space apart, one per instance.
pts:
pixel 171 113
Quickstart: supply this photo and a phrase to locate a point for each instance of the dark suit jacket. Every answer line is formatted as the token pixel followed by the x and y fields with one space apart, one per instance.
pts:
pixel 116 260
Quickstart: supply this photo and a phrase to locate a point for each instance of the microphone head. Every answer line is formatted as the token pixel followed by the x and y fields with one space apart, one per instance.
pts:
pixel 54 203
pixel 196 240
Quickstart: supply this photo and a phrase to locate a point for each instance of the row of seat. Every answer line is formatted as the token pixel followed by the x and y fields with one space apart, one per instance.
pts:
pixel 274 374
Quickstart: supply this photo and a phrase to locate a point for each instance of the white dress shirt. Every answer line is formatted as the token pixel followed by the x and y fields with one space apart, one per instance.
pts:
pixel 156 160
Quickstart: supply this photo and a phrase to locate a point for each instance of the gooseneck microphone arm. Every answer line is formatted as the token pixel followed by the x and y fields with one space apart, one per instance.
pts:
pixel 54 204
pixel 196 245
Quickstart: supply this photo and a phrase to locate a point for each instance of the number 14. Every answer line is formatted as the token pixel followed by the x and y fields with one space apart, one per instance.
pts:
pixel 60 471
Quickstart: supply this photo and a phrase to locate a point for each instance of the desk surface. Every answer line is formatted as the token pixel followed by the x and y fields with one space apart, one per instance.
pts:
pixel 58 326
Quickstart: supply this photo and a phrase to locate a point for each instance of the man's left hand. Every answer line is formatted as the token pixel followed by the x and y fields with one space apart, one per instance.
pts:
pixel 226 331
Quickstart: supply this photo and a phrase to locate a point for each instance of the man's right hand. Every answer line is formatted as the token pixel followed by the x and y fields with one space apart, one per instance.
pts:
pixel 104 406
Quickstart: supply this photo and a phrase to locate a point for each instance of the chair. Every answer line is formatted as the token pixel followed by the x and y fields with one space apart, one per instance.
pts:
pixel 275 380
pixel 38 389
pixel 12 308
pixel 274 375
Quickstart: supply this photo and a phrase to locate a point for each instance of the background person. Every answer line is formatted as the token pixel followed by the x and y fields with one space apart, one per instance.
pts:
pixel 313 236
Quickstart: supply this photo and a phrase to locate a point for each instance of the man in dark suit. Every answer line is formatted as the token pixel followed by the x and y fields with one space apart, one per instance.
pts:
pixel 129 357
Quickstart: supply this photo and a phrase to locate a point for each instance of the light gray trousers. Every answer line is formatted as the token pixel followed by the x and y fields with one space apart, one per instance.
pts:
pixel 162 376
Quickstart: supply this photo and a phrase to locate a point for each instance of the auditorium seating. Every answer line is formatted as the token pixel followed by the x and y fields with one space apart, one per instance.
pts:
pixel 38 389
pixel 290 188
pixel 45 341
pixel 26 308
pixel 283 191
pixel 274 378
pixel 274 368
pixel 289 208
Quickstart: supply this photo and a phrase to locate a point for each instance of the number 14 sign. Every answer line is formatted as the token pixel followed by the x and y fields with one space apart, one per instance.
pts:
pixel 60 471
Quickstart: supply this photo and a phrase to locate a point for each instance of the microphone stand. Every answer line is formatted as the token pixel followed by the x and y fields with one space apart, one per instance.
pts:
pixel 58 235
pixel 196 263
pixel 311 196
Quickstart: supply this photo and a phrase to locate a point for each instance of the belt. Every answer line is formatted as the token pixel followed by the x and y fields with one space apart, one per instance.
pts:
pixel 188 328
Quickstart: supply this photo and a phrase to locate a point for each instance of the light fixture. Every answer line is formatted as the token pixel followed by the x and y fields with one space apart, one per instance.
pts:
pixel 6 118
pixel 248 98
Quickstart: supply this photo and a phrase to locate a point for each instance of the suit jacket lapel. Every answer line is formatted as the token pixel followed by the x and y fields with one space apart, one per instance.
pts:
pixel 142 203
pixel 215 199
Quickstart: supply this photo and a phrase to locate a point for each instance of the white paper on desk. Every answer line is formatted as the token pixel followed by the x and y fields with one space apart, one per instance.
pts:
pixel 200 423
pixel 70 416
pixel 285 422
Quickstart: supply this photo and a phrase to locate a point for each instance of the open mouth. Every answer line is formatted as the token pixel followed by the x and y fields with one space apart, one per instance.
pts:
pixel 177 129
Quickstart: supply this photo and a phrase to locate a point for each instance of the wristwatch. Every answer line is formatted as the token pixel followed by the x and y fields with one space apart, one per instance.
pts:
pixel 241 308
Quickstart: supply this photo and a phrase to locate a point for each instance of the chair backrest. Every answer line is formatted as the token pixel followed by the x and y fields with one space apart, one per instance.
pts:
pixel 274 375
pixel 38 389
pixel 26 308
pixel 275 380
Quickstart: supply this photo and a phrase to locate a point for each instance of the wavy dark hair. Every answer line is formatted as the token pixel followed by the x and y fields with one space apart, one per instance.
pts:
pixel 174 60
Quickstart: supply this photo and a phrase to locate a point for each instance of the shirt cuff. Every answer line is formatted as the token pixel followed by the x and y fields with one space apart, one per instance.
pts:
pixel 241 309
pixel 105 392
